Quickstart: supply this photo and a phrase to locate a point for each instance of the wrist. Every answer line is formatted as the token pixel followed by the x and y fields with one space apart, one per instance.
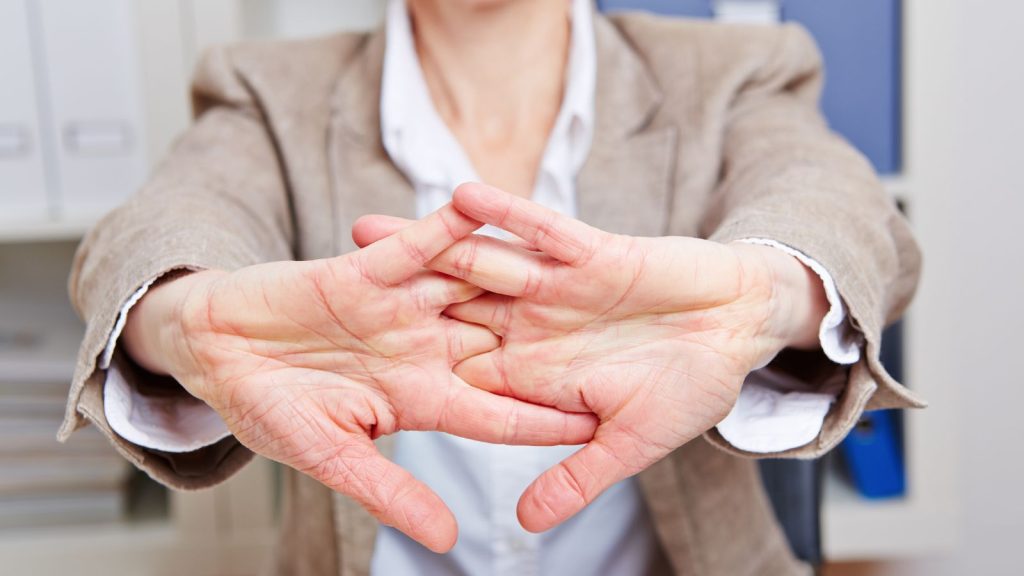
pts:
pixel 798 301
pixel 155 333
pixel 803 303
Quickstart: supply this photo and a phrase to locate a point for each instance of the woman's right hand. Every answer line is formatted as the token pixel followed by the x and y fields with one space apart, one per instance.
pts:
pixel 308 362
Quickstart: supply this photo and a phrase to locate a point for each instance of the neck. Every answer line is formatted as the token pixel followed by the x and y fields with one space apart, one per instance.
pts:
pixel 489 63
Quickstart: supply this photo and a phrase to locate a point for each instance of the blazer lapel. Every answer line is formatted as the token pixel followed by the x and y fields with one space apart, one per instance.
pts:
pixel 363 177
pixel 624 186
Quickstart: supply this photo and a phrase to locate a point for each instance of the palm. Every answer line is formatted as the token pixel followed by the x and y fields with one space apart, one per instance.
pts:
pixel 308 362
pixel 289 337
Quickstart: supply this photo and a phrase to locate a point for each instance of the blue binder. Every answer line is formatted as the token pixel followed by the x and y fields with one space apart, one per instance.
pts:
pixel 873 451
pixel 862 46
pixel 874 456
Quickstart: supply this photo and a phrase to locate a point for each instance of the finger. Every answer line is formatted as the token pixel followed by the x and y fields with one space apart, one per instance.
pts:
pixel 478 415
pixel 397 257
pixel 491 310
pixel 496 266
pixel 558 236
pixel 531 375
pixel 389 493
pixel 437 291
pixel 468 340
pixel 374 227
pixel 485 371
pixel 371 228
pixel 571 485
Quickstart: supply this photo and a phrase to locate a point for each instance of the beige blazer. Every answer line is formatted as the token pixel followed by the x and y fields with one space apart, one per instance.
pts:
pixel 701 130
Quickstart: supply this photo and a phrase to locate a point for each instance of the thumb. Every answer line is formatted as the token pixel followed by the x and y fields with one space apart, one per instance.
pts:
pixel 571 485
pixel 390 493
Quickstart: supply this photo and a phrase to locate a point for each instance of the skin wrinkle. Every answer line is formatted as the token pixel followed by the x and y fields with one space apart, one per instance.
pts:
pixel 245 422
pixel 573 483
pixel 499 362
pixel 511 425
pixel 336 471
pixel 185 319
pixel 414 252
pixel 444 415
pixel 449 227
pixel 465 262
pixel 506 316
pixel 588 479
pixel 407 492
pixel 297 438
pixel 455 346
pixel 321 297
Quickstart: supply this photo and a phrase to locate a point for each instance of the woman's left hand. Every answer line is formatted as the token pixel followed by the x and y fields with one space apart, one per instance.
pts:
pixel 653 335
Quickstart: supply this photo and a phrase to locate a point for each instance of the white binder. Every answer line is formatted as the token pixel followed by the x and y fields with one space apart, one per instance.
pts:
pixel 23 195
pixel 94 98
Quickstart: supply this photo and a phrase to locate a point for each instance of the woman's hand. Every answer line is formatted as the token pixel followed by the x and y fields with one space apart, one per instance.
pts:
pixel 653 335
pixel 307 362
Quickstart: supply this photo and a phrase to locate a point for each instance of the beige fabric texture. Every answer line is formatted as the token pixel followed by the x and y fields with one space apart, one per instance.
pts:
pixel 701 129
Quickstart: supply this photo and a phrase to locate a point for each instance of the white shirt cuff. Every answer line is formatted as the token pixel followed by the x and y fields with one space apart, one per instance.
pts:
pixel 839 341
pixel 177 424
pixel 775 412
pixel 122 319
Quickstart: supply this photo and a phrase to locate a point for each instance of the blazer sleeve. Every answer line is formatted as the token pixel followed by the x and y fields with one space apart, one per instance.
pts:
pixel 786 177
pixel 218 201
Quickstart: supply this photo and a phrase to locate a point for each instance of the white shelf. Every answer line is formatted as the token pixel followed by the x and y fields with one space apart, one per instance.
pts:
pixel 50 359
pixel 128 548
pixel 226 530
pixel 44 230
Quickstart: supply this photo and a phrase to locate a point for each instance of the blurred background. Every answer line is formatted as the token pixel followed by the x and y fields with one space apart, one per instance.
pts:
pixel 93 92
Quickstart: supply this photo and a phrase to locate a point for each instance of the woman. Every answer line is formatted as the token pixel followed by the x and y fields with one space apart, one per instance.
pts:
pixel 227 297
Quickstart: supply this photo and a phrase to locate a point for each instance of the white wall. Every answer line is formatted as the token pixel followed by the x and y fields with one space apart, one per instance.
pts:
pixel 968 166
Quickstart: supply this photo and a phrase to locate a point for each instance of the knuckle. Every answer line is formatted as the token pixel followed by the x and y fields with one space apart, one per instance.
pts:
pixel 465 257
pixel 412 250
pixel 364 270
pixel 513 419
pixel 570 480
pixel 531 283
pixel 450 229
